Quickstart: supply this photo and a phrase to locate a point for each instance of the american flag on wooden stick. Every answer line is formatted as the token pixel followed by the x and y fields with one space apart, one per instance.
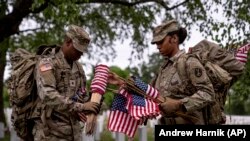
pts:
pixel 99 82
pixel 242 52
pixel 149 90
pixel 136 86
pixel 140 107
pixel 81 92
pixel 119 118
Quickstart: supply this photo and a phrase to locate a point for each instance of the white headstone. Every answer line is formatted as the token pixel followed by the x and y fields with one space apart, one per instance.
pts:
pixel 119 136
pixel 142 133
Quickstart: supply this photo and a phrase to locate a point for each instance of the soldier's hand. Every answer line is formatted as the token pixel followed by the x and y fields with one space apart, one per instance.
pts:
pixel 90 107
pixel 170 106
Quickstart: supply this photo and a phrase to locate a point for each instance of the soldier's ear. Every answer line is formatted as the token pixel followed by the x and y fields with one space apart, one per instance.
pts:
pixel 174 38
pixel 69 43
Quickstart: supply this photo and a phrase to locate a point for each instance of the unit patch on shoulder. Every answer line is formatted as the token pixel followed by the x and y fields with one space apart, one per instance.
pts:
pixel 45 67
pixel 198 72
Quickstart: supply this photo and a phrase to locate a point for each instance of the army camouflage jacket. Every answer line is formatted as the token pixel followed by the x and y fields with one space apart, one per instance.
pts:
pixel 195 95
pixel 57 82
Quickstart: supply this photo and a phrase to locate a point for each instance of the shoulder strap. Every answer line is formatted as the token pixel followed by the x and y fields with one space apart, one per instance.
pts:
pixel 181 68
pixel 79 66
pixel 47 49
pixel 182 65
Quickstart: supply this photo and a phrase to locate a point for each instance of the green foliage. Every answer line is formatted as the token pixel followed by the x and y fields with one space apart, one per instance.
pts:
pixel 148 70
pixel 109 95
pixel 5 98
pixel 105 23
pixel 239 98
pixel 109 21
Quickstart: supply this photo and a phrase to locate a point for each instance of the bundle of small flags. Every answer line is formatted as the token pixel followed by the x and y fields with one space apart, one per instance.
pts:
pixel 134 103
pixel 77 98
pixel 99 82
pixel 97 88
pixel 135 85
pixel 142 108
pixel 130 110
pixel 149 90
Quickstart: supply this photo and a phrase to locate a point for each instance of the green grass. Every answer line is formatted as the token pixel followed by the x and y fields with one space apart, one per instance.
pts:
pixel 6 137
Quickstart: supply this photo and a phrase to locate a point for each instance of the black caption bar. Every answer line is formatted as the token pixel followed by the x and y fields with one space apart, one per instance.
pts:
pixel 198 132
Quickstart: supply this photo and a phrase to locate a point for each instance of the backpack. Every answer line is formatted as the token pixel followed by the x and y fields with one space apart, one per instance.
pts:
pixel 222 68
pixel 21 87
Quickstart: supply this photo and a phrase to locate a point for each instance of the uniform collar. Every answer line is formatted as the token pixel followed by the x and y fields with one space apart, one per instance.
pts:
pixel 176 56
pixel 172 59
pixel 63 59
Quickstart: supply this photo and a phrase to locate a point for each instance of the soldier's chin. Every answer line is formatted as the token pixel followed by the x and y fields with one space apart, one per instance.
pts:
pixel 162 53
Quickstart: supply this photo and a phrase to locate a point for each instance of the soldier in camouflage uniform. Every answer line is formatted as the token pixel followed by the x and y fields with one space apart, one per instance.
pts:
pixel 59 78
pixel 191 97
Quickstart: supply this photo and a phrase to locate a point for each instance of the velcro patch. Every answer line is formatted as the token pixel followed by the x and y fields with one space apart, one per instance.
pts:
pixel 45 67
pixel 198 72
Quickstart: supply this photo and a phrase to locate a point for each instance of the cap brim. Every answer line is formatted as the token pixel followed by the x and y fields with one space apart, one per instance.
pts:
pixel 157 39
pixel 79 47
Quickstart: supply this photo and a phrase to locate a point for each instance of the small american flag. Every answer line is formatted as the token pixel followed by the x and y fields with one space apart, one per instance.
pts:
pixel 119 118
pixel 81 91
pixel 141 107
pixel 149 90
pixel 99 82
pixel 242 52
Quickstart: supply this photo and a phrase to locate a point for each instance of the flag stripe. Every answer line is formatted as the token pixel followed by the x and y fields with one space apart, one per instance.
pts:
pixel 122 122
pixel 149 90
pixel 128 111
pixel 148 109
pixel 242 53
pixel 99 82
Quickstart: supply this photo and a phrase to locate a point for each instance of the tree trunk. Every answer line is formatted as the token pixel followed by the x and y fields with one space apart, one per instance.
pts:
pixel 9 24
pixel 3 50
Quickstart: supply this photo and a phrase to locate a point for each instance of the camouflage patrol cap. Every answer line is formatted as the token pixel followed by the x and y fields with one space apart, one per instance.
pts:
pixel 162 30
pixel 79 36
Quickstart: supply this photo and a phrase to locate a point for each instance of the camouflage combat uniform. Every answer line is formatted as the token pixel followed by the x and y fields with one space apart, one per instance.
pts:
pixel 57 83
pixel 195 95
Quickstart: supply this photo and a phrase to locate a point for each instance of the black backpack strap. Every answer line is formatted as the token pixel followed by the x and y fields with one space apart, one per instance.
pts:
pixel 181 69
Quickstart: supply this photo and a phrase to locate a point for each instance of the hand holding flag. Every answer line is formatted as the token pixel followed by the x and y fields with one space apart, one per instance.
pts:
pixel 99 82
pixel 77 98
pixel 98 88
pixel 135 85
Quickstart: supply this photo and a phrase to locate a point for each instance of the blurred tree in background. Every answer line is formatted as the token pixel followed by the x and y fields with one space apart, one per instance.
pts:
pixel 30 23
